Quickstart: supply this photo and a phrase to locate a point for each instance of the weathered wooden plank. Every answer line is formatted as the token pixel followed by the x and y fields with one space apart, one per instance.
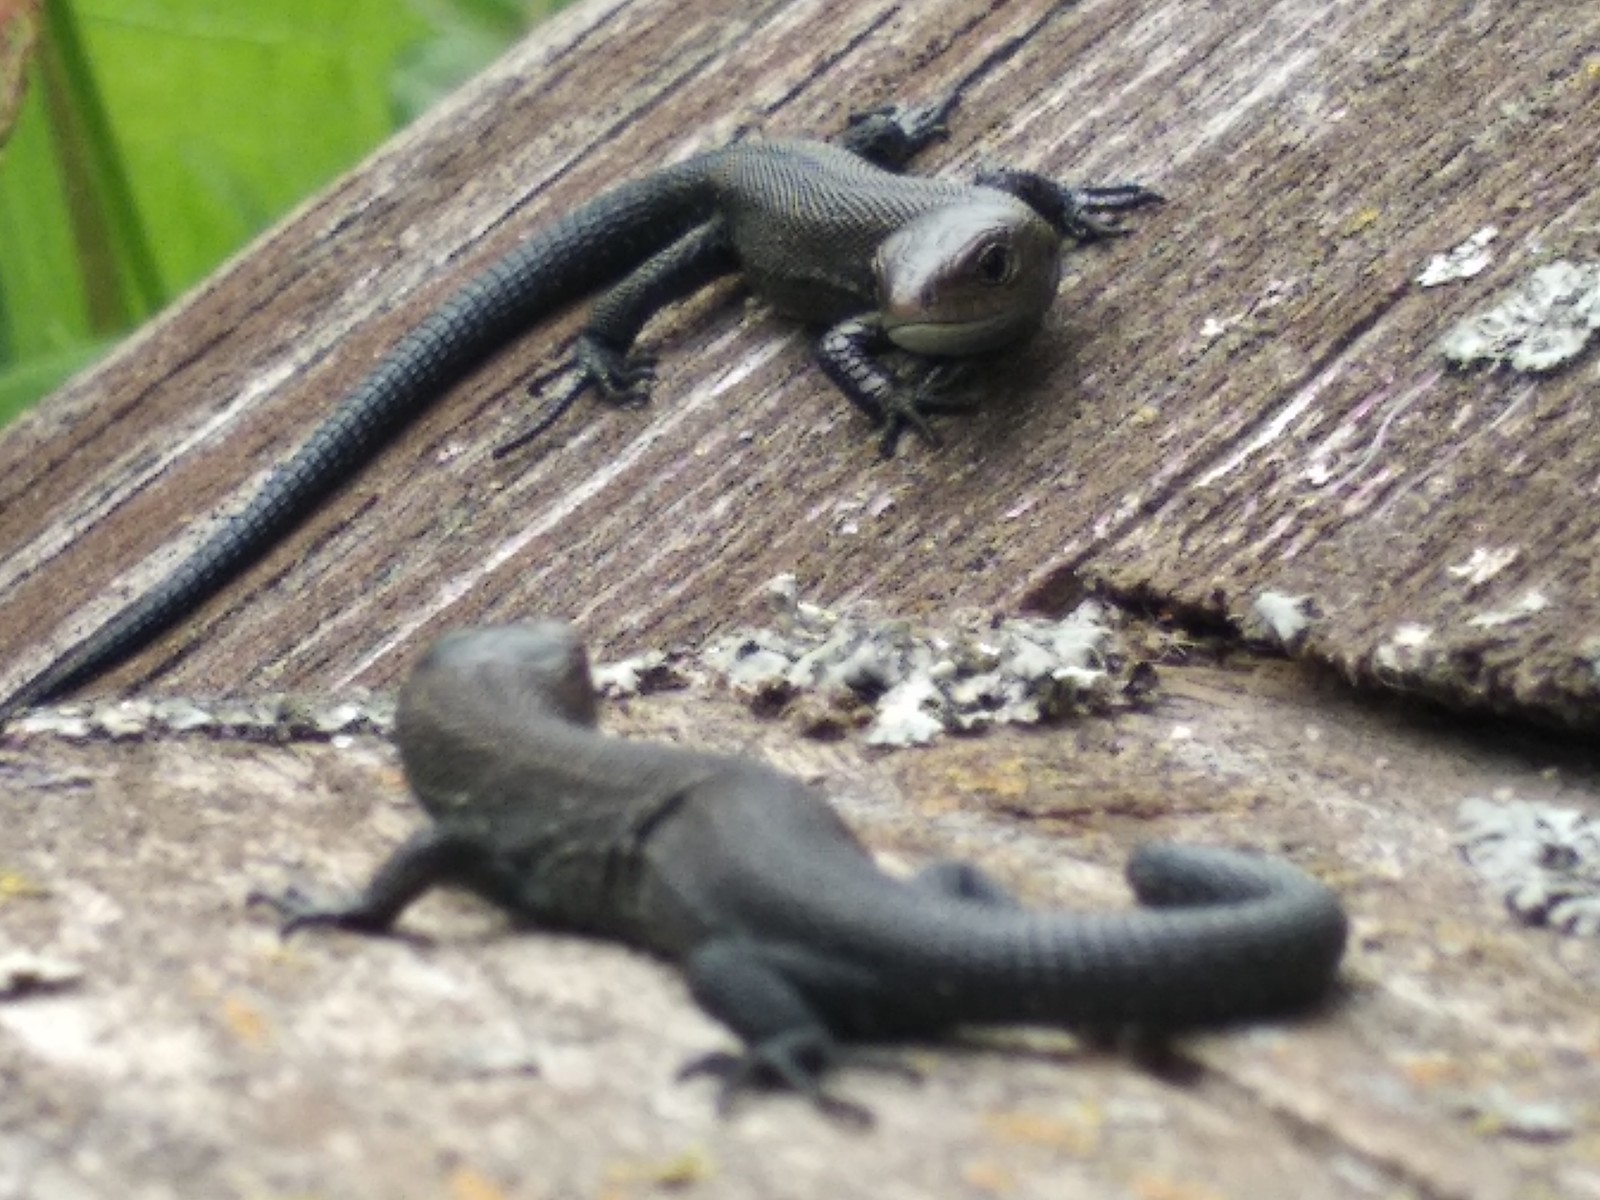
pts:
pixel 198 1057
pixel 1243 397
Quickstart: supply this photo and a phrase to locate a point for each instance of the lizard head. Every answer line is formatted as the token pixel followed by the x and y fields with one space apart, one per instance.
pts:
pixel 966 278
pixel 478 686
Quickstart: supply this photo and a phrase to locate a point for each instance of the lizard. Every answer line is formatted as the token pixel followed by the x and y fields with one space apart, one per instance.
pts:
pixel 784 927
pixel 833 234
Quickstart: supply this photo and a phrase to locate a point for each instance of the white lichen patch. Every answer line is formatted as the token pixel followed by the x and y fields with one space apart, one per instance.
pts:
pixel 1530 603
pixel 918 682
pixel 275 717
pixel 1483 564
pixel 1544 861
pixel 1404 649
pixel 652 671
pixel 1280 618
pixel 1543 323
pixel 906 683
pixel 1470 258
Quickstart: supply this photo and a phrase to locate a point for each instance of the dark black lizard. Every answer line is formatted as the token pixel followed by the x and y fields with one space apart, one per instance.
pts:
pixel 828 233
pixel 783 926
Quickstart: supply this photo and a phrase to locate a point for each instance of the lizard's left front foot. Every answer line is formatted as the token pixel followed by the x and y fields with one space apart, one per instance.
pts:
pixel 1080 213
pixel 299 909
pixel 795 1060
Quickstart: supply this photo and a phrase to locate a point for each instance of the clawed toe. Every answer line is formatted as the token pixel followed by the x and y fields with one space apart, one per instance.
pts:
pixel 796 1066
pixel 295 907
pixel 898 422
pixel 620 379
pixel 299 909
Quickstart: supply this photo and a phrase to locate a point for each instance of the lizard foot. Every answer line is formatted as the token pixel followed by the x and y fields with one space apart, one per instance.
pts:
pixel 895 424
pixel 1080 213
pixel 620 379
pixel 894 395
pixel 795 1061
pixel 894 134
pixel 929 394
pixel 299 909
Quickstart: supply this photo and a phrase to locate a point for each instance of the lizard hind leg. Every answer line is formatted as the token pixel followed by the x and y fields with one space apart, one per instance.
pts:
pixel 794 1060
pixel 750 988
pixel 964 882
pixel 603 357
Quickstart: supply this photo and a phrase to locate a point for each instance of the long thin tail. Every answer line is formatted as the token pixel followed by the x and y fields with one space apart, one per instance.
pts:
pixel 584 250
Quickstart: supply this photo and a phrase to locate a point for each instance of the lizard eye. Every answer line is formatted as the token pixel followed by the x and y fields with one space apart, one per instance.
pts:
pixel 995 263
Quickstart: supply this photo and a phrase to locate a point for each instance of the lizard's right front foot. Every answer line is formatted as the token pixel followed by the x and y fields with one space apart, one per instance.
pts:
pixel 893 135
pixel 299 909
pixel 929 392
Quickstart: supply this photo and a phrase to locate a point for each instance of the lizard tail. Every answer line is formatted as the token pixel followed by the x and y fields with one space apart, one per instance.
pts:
pixel 1220 935
pixel 586 249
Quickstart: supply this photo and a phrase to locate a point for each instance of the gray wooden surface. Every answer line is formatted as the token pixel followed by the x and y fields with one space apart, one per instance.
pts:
pixel 1244 397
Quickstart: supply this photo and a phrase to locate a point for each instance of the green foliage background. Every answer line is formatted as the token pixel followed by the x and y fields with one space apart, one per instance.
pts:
pixel 156 136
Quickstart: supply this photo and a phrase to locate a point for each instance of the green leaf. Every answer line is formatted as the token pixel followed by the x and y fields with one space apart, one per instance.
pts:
pixel 156 136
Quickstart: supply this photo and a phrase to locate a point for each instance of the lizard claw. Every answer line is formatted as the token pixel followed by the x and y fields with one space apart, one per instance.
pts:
pixel 895 426
pixel 294 906
pixel 622 380
pixel 299 909
pixel 1087 209
pixel 929 396
pixel 893 134
pixel 919 123
pixel 1079 213
pixel 794 1061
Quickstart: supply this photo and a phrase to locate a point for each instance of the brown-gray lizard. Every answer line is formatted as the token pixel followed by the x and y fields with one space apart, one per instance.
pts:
pixel 830 233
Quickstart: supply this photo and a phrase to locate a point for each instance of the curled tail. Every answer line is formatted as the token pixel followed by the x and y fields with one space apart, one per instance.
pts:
pixel 1219 936
pixel 582 251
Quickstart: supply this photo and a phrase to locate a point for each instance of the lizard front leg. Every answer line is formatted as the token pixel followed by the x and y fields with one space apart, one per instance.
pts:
pixel 433 857
pixel 849 354
pixel 1078 213
pixel 891 136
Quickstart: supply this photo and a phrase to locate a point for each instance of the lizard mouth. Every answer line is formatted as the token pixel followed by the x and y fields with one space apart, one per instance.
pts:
pixel 953 338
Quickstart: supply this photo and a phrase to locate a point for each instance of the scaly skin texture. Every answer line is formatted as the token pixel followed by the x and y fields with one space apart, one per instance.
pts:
pixel 782 924
pixel 972 266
